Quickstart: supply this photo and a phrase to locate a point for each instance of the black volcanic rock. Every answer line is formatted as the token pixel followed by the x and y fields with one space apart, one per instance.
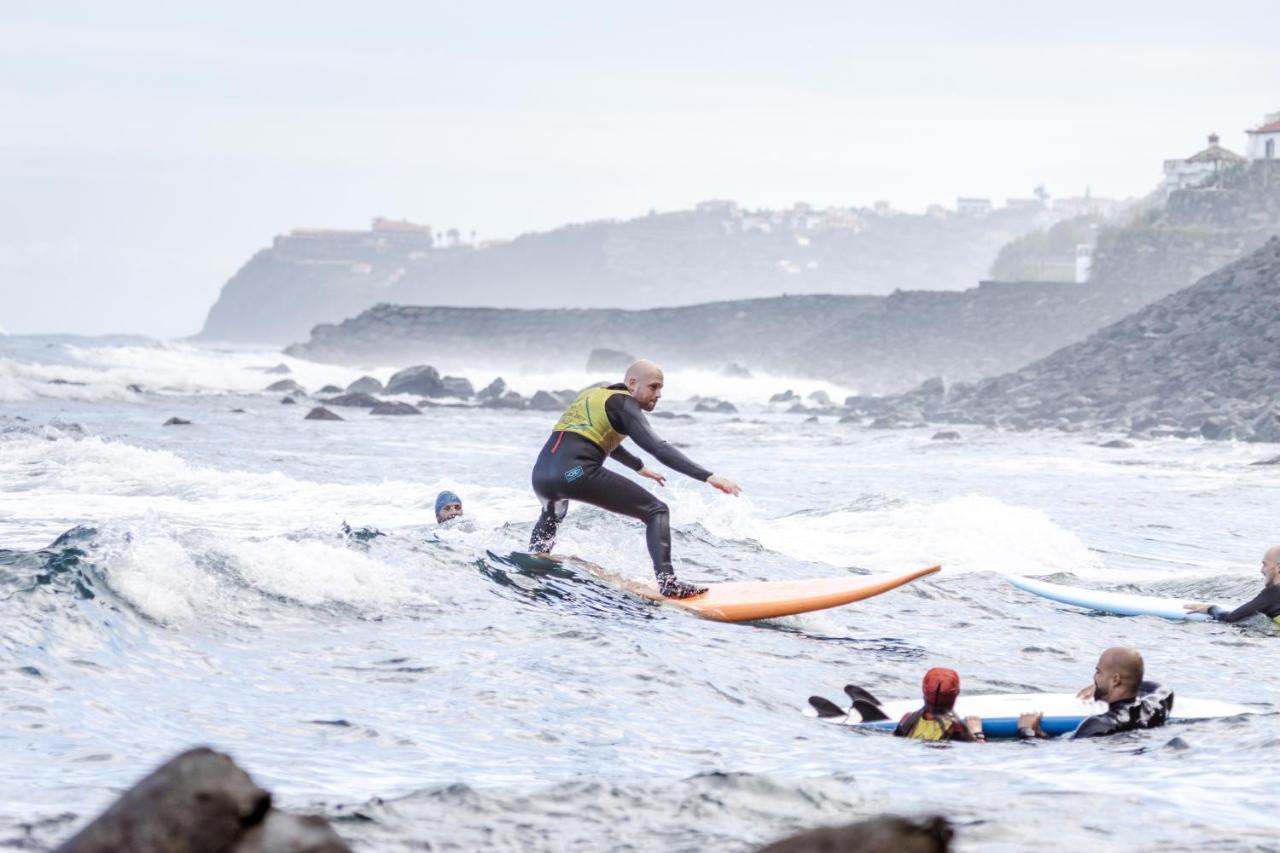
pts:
pixel 719 407
pixel 367 385
pixel 509 400
pixel 422 380
pixel 354 399
pixel 330 389
pixel 285 385
pixel 784 396
pixel 387 408
pixel 176 421
pixel 1205 360
pixel 288 401
pixel 320 413
pixel 493 390
pixel 457 386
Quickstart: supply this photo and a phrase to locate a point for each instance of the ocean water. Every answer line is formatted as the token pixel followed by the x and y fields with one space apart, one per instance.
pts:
pixel 162 587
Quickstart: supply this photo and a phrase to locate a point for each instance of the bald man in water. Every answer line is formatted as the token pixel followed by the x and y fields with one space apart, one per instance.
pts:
pixel 1131 702
pixel 1266 602
pixel 571 467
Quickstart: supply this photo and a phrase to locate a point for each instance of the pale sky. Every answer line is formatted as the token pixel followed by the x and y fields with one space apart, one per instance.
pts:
pixel 148 149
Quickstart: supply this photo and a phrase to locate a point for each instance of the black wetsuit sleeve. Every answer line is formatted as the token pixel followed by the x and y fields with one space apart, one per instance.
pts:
pixel 1267 601
pixel 626 457
pixel 1102 724
pixel 625 416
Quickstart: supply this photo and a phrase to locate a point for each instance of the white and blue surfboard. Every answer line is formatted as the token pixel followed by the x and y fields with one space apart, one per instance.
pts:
pixel 1116 603
pixel 1063 712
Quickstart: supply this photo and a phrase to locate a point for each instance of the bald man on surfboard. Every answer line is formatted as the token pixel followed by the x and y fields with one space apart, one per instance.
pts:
pixel 571 467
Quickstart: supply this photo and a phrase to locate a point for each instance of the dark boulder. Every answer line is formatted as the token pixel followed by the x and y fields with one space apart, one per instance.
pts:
pixel 176 421
pixel 1117 444
pixel 609 360
pixel 509 400
pixel 880 834
pixel 493 390
pixel 719 407
pixel 355 399
pixel 822 398
pixel 280 369
pixel 784 396
pixel 201 802
pixel 422 380
pixel 288 401
pixel 546 401
pixel 457 386
pixel 366 385
pixel 134 387
pixel 386 408
pixel 320 413
pixel 330 389
pixel 946 435
pixel 286 385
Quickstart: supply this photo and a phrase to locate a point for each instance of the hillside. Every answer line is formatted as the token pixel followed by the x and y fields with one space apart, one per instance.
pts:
pixel 1202 361
pixel 717 252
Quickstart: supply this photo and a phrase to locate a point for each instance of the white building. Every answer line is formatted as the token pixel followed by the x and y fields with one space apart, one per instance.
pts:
pixel 1264 141
pixel 1084 262
pixel 1199 168
pixel 973 206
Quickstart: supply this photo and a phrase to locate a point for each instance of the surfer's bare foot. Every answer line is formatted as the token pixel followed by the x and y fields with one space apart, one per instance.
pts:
pixel 670 587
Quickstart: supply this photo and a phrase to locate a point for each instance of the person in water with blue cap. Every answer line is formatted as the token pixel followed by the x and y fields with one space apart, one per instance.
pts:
pixel 448 506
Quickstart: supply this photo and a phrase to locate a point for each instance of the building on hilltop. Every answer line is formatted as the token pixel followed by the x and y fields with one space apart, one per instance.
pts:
pixel 724 206
pixel 1200 168
pixel 1264 141
pixel 973 206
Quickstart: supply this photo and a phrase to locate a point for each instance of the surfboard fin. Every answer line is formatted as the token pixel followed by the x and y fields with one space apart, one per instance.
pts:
pixel 856 693
pixel 826 708
pixel 870 713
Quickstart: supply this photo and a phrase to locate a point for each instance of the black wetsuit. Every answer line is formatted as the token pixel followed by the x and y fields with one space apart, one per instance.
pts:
pixel 1266 602
pixel 1151 708
pixel 571 467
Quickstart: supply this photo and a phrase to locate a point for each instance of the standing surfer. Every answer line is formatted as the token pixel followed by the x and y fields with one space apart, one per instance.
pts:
pixel 571 467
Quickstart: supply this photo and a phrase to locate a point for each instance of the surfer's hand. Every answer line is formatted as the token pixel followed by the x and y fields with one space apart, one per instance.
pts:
pixel 657 477
pixel 724 484
pixel 672 588
pixel 974 723
pixel 1196 608
pixel 1029 722
pixel 1086 694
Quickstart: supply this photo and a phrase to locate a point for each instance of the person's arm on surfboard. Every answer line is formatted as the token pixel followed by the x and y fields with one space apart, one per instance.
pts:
pixel 1244 611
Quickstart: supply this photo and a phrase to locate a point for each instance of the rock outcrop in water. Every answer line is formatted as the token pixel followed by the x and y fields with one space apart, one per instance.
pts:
pixel 882 834
pixel 1204 361
pixel 201 802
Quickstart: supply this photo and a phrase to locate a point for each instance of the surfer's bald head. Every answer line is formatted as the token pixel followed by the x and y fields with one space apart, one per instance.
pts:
pixel 1119 672
pixel 644 380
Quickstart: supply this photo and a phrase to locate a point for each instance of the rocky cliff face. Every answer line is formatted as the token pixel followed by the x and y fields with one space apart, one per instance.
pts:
pixel 1204 361
pixel 716 252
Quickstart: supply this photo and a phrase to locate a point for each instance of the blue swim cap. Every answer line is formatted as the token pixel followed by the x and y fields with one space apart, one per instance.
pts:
pixel 444 499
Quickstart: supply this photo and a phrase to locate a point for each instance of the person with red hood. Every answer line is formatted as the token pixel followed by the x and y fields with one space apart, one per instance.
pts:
pixel 937 719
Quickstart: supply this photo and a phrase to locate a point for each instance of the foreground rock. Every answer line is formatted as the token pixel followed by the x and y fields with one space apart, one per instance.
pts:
pixel 882 834
pixel 201 802
pixel 422 380
pixel 1202 362
pixel 320 413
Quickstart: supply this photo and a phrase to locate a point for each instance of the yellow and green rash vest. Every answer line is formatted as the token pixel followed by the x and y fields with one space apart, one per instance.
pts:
pixel 586 417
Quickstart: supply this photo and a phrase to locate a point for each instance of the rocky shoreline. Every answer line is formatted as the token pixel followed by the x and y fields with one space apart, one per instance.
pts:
pixel 1202 362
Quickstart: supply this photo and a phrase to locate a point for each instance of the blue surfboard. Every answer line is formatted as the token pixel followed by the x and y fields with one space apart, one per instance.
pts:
pixel 1116 603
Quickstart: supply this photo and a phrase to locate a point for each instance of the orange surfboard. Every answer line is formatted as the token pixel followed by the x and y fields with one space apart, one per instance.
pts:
pixel 746 601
